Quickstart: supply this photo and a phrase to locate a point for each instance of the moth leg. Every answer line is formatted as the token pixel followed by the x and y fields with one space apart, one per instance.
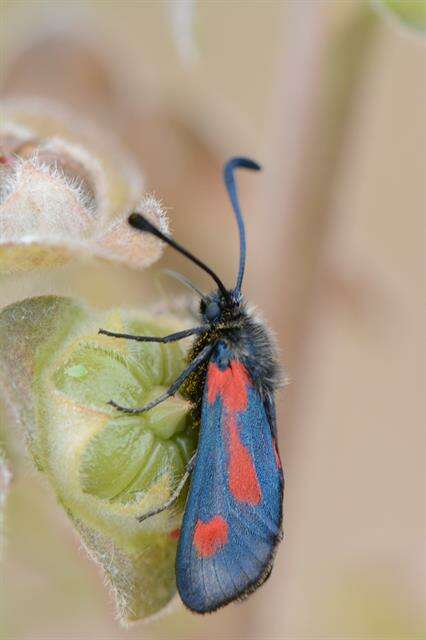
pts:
pixel 196 362
pixel 175 495
pixel 172 337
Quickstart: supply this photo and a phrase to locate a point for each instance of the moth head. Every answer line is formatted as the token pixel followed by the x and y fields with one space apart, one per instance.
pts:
pixel 216 307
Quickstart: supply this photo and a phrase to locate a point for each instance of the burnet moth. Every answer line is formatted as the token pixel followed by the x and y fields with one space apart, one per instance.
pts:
pixel 233 514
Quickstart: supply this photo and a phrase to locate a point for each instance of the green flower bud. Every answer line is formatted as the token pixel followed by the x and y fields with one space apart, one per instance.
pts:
pixel 105 467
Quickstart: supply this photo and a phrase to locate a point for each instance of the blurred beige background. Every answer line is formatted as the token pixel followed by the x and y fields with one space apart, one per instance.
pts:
pixel 331 99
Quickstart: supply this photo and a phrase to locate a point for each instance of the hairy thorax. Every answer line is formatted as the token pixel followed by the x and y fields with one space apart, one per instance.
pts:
pixel 246 339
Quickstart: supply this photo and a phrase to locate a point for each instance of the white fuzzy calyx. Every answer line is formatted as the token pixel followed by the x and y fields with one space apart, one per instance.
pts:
pixel 66 192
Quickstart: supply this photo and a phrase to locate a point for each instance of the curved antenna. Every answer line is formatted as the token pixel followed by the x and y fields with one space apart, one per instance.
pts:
pixel 138 221
pixel 178 276
pixel 228 173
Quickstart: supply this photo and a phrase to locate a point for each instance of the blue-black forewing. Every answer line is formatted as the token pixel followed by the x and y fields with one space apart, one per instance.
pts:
pixel 233 514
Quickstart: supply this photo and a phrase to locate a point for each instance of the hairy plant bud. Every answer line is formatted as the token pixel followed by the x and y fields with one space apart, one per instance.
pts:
pixel 66 191
pixel 106 467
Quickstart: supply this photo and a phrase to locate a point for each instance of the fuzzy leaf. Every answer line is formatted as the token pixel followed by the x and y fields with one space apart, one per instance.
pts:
pixel 57 374
pixel 114 456
pixel 93 375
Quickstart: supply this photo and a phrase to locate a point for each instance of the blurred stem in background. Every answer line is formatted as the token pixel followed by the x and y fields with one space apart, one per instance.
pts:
pixel 321 75
pixel 5 478
pixel 310 125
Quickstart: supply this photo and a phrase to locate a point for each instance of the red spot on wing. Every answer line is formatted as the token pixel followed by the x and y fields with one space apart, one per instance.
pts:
pixel 231 385
pixel 4 160
pixel 174 535
pixel 243 481
pixel 210 536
